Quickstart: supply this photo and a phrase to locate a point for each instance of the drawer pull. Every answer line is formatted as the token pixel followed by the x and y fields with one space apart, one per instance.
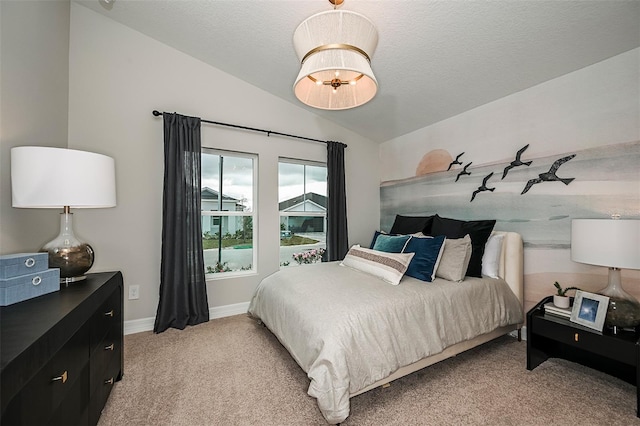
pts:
pixel 109 314
pixel 29 262
pixel 62 378
pixel 109 382
pixel 576 336
pixel 109 348
pixel 36 280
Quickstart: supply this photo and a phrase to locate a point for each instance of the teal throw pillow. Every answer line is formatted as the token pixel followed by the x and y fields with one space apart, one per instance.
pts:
pixel 391 243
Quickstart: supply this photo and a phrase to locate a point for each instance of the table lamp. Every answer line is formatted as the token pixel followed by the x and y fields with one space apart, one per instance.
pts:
pixel 45 177
pixel 614 243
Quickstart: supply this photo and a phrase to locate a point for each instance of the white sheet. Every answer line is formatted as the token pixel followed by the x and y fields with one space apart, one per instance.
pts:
pixel 347 329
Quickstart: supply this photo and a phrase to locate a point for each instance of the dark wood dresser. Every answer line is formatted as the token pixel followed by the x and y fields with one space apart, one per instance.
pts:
pixel 61 353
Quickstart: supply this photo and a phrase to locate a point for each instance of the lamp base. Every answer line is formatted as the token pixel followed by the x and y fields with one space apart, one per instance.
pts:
pixel 67 253
pixel 624 309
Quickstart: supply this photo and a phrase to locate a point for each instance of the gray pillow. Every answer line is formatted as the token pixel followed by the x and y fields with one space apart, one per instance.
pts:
pixel 455 259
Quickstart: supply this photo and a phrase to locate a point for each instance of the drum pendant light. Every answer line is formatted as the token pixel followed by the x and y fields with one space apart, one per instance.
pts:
pixel 335 50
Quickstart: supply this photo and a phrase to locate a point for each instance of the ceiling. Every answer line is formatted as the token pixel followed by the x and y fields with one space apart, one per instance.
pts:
pixel 435 59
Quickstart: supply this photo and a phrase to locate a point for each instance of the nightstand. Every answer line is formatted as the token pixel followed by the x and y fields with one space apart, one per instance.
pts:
pixel 550 336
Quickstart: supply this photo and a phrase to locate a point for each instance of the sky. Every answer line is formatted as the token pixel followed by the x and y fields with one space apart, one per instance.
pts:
pixel 238 178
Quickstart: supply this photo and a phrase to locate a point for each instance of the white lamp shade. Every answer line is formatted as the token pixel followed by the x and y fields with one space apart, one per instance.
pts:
pixel 606 242
pixel 335 41
pixel 45 177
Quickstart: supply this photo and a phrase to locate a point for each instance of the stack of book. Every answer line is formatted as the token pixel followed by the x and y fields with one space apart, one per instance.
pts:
pixel 550 308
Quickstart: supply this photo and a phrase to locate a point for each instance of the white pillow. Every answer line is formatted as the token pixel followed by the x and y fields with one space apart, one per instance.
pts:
pixel 491 256
pixel 390 267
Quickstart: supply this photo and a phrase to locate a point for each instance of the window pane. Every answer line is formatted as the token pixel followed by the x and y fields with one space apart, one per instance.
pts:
pixel 229 246
pixel 299 234
pixel 290 184
pixel 237 184
pixel 210 181
pixel 316 179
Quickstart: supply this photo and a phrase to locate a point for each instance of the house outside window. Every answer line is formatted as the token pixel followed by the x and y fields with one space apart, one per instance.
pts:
pixel 228 214
pixel 302 196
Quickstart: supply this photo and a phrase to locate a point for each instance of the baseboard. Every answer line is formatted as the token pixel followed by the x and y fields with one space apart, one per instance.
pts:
pixel 146 324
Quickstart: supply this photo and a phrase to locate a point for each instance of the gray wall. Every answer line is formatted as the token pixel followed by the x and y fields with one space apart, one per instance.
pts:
pixel 117 77
pixel 34 82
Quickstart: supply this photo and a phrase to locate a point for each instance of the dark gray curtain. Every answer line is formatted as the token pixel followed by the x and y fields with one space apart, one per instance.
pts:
pixel 337 240
pixel 183 293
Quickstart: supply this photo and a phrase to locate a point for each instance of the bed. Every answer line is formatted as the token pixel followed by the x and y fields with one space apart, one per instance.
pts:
pixel 351 331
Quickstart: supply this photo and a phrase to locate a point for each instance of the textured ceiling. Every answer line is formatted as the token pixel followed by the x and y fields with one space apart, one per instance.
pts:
pixel 435 59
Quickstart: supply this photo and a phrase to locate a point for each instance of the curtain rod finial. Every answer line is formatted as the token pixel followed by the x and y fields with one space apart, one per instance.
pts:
pixel 156 113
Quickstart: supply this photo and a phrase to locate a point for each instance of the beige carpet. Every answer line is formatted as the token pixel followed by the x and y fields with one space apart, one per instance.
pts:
pixel 232 371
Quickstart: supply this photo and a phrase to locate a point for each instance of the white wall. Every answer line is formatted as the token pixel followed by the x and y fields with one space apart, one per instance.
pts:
pixel 116 78
pixel 34 82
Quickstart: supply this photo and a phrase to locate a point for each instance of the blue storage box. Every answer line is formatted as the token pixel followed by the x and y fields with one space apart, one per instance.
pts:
pixel 14 265
pixel 23 287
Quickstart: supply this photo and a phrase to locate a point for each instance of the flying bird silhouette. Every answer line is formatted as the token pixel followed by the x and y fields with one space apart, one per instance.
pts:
pixel 483 187
pixel 550 176
pixel 516 162
pixel 464 171
pixel 456 161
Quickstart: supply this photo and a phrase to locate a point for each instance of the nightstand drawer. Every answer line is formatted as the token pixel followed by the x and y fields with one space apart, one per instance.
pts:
pixel 565 332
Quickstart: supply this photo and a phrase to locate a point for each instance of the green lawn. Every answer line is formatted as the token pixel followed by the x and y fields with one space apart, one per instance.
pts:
pixel 212 243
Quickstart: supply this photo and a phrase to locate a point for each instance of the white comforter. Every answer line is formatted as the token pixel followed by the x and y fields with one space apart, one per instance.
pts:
pixel 348 329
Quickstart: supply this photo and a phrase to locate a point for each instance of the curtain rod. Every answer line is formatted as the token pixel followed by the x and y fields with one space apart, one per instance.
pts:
pixel 268 132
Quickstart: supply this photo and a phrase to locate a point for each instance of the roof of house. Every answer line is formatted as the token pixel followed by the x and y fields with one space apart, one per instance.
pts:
pixel 211 194
pixel 320 200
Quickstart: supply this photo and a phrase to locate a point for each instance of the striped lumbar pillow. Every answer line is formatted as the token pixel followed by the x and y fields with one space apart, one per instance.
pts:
pixel 390 267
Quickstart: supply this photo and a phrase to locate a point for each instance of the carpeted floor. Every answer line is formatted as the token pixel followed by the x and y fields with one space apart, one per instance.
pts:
pixel 231 371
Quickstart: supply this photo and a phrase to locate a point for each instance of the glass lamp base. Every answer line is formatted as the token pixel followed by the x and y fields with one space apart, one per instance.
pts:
pixel 624 309
pixel 73 257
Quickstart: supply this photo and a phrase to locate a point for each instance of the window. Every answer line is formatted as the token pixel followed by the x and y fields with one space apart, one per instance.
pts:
pixel 302 196
pixel 228 211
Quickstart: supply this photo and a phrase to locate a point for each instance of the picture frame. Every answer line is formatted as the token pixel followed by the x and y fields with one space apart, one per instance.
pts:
pixel 589 309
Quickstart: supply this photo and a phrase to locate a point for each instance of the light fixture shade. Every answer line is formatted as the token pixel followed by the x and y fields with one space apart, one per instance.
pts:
pixel 614 243
pixel 45 177
pixel 335 45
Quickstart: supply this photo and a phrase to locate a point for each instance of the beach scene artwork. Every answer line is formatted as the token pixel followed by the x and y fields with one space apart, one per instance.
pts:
pixel 535 197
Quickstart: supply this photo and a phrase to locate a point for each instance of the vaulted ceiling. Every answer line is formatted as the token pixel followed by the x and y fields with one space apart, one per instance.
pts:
pixel 434 60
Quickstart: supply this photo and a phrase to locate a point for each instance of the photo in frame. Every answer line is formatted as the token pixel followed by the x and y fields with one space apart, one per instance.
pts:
pixel 589 309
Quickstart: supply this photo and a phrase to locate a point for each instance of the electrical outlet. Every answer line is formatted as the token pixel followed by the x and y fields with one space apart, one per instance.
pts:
pixel 134 292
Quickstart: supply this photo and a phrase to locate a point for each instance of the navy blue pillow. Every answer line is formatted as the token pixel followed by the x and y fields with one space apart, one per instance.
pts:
pixel 427 251
pixel 391 243
pixel 478 230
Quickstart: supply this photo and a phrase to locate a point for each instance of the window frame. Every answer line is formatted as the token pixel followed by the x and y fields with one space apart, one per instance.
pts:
pixel 253 214
pixel 282 214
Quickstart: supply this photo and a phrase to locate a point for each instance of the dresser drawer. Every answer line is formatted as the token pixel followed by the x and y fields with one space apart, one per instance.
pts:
pixel 109 347
pixel 101 392
pixel 53 384
pixel 73 409
pixel 106 317
pixel 608 346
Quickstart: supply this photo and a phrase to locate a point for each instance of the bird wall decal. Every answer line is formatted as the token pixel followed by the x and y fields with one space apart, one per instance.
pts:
pixel 550 176
pixel 517 162
pixel 456 161
pixel 483 187
pixel 464 170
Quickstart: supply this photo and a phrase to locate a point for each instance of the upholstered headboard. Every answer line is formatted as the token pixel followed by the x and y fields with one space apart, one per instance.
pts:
pixel 512 262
